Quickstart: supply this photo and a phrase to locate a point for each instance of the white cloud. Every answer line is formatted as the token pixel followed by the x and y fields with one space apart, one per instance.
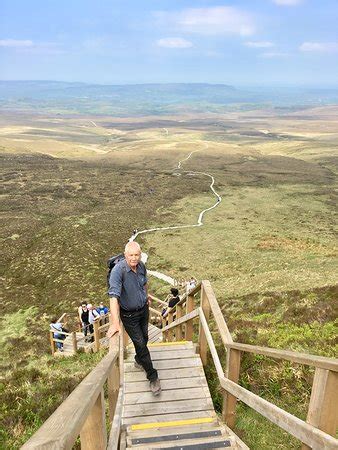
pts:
pixel 28 46
pixel 174 43
pixel 17 43
pixel 209 21
pixel 273 55
pixel 321 47
pixel 288 2
pixel 259 44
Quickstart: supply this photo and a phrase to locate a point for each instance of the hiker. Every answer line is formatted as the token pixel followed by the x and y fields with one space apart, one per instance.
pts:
pixel 128 292
pixel 173 300
pixel 102 310
pixel 191 284
pixel 85 320
pixel 57 328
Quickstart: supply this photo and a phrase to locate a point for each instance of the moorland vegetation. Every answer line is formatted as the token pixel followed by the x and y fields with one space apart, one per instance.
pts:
pixel 74 189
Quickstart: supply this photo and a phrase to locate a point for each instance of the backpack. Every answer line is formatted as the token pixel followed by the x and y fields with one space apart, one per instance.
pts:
pixel 111 263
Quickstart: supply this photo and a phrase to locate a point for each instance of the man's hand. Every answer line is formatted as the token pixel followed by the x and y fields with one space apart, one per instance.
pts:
pixel 149 300
pixel 113 329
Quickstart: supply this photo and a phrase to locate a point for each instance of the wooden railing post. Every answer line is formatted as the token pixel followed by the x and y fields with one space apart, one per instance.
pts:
pixel 52 343
pixel 178 330
pixel 323 411
pixel 96 336
pixel 170 332
pixel 94 432
pixel 74 341
pixel 232 373
pixel 190 306
pixel 202 340
pixel 114 377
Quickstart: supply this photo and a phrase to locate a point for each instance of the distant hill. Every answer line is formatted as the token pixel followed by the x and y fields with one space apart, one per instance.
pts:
pixel 139 99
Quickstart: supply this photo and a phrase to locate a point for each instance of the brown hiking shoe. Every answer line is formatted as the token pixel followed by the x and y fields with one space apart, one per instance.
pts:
pixel 155 387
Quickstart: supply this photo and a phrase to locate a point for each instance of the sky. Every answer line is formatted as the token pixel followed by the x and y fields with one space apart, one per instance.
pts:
pixel 238 42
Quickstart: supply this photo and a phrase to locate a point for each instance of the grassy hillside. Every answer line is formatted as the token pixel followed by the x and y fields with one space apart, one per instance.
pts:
pixel 74 189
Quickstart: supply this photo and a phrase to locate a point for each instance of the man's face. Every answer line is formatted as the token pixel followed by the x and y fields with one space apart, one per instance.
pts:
pixel 133 257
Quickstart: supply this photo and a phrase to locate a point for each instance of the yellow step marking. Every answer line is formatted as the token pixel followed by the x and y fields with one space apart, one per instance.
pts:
pixel 174 423
pixel 157 344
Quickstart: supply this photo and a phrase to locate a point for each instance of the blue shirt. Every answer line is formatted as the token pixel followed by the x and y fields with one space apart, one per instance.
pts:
pixel 127 286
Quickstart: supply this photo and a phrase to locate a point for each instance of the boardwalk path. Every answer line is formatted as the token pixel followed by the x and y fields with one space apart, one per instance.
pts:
pixel 199 222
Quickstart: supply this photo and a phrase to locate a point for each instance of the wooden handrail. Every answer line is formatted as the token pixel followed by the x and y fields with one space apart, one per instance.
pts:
pixel 183 319
pixel 288 355
pixel 307 433
pixel 158 300
pixel 63 427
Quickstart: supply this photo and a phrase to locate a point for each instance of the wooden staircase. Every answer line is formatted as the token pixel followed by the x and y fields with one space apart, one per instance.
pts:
pixel 182 416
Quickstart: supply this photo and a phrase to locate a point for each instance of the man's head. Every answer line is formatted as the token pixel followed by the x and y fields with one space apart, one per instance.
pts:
pixel 84 305
pixel 132 253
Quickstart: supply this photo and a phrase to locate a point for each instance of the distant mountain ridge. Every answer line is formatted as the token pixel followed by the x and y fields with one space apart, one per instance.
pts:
pixel 153 98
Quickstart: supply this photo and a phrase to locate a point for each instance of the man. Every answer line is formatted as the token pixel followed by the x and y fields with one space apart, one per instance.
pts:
pixel 128 291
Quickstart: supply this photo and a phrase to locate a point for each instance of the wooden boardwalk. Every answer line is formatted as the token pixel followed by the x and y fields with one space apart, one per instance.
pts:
pixel 182 416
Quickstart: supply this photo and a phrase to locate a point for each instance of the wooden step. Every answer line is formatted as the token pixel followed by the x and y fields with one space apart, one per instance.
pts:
pixel 198 424
pixel 174 437
pixel 193 361
pixel 167 384
pixel 161 408
pixel 168 418
pixel 169 353
pixel 189 444
pixel 165 374
pixel 169 395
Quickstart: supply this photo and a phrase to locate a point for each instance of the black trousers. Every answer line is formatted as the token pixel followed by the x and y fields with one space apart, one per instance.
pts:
pixel 136 325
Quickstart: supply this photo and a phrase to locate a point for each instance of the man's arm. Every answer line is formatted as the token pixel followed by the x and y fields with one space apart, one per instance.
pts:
pixel 114 292
pixel 115 326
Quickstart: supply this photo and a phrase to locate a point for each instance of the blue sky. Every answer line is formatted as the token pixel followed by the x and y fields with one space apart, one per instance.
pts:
pixel 242 42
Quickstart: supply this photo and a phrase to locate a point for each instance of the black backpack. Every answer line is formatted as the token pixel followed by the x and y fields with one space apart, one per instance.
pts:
pixel 111 263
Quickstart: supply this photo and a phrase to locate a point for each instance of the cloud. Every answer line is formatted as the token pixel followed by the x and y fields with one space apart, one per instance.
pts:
pixel 321 47
pixel 273 55
pixel 259 44
pixel 209 21
pixel 174 43
pixel 16 43
pixel 28 46
pixel 288 2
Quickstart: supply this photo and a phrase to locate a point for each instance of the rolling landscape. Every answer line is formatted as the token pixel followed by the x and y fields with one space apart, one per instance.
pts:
pixel 84 165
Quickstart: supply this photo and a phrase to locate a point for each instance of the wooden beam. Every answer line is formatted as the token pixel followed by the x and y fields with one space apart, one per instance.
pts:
pixel 114 377
pixel 161 302
pixel 186 318
pixel 211 343
pixel 217 313
pixel 178 329
pixel 74 341
pixel 114 435
pixel 202 340
pixel 52 345
pixel 296 357
pixel 94 433
pixel 323 409
pixel 232 373
pixel 303 431
pixel 63 427
pixel 96 336
pixel 190 306
pixel 170 321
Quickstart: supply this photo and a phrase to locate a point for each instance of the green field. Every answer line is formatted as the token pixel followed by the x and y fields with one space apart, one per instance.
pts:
pixel 74 189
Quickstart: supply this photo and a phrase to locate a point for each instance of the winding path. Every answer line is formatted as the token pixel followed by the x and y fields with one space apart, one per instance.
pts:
pixel 199 222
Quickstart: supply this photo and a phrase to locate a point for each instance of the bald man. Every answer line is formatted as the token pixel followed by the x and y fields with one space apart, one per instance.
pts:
pixel 128 291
